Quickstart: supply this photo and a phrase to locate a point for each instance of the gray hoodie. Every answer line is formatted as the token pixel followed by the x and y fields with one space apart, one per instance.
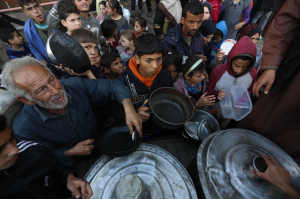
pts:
pixel 91 23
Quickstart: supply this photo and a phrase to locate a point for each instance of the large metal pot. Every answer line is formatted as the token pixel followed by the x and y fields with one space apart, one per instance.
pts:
pixel 225 161
pixel 148 173
pixel 199 127
pixel 170 108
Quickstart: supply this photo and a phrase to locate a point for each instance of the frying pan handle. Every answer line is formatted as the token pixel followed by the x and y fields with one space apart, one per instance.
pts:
pixel 147 105
pixel 199 128
pixel 193 101
pixel 134 133
pixel 109 45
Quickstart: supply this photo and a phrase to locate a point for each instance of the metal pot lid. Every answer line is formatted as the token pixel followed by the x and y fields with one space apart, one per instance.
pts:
pixel 191 126
pixel 224 163
pixel 162 175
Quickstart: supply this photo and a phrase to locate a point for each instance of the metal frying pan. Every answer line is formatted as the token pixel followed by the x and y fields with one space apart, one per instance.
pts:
pixel 170 108
pixel 63 49
pixel 116 141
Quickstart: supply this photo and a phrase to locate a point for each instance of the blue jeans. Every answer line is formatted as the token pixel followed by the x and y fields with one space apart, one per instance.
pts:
pixel 133 5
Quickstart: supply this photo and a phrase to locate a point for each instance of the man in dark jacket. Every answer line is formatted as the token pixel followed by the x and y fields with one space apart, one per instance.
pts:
pixel 29 170
pixel 58 113
pixel 185 38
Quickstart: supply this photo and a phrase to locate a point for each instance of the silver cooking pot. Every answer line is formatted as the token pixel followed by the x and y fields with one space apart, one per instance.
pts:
pixel 199 127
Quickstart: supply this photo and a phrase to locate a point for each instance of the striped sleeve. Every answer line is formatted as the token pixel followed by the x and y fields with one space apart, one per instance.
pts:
pixel 23 145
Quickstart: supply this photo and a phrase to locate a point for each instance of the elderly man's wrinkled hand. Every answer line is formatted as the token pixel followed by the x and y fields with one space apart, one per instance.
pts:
pixel 82 148
pixel 132 117
pixel 79 188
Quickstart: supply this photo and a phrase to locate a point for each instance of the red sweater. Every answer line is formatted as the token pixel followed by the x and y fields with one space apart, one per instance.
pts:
pixel 215 4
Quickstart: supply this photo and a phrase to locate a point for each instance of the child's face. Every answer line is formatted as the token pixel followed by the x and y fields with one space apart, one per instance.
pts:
pixel 125 43
pixel 102 9
pixel 35 11
pixel 72 22
pixel 149 64
pixel 173 72
pixel 196 78
pixel 116 67
pixel 207 39
pixel 239 65
pixel 255 38
pixel 137 28
pixel 217 39
pixel 108 9
pixel 82 5
pixel 91 50
pixel 18 40
pixel 206 13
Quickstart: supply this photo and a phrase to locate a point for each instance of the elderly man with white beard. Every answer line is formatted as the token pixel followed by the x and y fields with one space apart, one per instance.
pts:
pixel 58 113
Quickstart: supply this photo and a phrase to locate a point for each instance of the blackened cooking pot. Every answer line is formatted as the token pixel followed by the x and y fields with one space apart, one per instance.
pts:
pixel 63 49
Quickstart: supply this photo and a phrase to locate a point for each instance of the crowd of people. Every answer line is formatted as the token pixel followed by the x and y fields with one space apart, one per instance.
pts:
pixel 63 111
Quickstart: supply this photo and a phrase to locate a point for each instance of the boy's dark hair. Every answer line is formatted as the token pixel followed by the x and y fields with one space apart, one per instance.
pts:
pixel 171 58
pixel 142 22
pixel 2 123
pixel 7 34
pixel 244 58
pixel 192 59
pixel 85 36
pixel 102 3
pixel 108 27
pixel 114 4
pixel 148 44
pixel 219 33
pixel 107 58
pixel 23 3
pixel 65 8
pixel 194 7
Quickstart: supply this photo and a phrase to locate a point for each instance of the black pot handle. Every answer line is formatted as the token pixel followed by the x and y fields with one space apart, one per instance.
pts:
pixel 193 101
pixel 147 105
pixel 134 133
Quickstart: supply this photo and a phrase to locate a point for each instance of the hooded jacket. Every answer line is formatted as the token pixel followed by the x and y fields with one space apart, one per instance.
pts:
pixel 174 40
pixel 12 54
pixel 215 47
pixel 223 75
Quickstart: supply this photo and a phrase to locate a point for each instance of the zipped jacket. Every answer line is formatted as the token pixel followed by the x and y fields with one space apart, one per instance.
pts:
pixel 174 40
pixel 35 174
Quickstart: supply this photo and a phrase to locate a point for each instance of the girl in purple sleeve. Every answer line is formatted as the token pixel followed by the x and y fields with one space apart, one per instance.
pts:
pixel 234 10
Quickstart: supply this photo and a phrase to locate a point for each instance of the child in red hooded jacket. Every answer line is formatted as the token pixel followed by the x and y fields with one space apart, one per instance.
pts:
pixel 239 69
